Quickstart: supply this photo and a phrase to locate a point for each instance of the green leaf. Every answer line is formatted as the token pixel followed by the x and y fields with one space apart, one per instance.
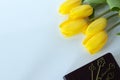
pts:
pixel 83 0
pixel 119 12
pixel 118 34
pixel 114 4
pixel 95 1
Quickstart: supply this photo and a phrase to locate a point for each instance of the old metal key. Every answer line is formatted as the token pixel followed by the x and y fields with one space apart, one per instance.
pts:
pixel 101 62
pixel 92 68
pixel 110 76
pixel 111 66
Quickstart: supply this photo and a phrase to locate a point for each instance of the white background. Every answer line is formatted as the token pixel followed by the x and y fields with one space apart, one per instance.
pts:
pixel 31 46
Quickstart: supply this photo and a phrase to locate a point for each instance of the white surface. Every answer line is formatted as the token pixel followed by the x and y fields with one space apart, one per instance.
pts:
pixel 31 46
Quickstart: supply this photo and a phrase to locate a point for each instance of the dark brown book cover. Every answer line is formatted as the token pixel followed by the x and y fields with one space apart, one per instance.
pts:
pixel 103 68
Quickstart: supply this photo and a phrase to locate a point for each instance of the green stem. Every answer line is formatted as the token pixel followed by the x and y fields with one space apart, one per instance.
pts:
pixel 114 26
pixel 116 14
pixel 100 15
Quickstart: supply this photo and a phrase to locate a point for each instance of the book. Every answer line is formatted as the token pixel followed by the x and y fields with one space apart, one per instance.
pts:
pixel 103 68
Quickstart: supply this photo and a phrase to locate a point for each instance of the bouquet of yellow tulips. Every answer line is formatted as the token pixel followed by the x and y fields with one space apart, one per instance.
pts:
pixel 80 21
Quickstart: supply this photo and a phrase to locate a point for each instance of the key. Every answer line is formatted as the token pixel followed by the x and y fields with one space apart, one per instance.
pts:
pixel 111 66
pixel 110 76
pixel 101 62
pixel 92 68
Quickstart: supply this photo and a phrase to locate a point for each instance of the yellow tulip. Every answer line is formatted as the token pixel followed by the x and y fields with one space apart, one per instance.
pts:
pixel 96 26
pixel 96 42
pixel 84 29
pixel 68 5
pixel 81 11
pixel 72 27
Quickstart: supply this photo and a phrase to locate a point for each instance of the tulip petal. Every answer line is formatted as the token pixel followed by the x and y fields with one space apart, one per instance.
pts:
pixel 81 11
pixel 99 47
pixel 96 26
pixel 86 39
pixel 68 5
pixel 73 27
pixel 96 42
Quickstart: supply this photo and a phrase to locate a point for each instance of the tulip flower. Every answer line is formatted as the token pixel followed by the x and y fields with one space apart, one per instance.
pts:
pixel 68 5
pixel 73 27
pixel 96 42
pixel 81 11
pixel 96 26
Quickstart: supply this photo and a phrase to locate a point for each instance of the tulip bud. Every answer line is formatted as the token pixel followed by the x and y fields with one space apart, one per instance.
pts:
pixel 96 26
pixel 72 27
pixel 81 11
pixel 96 42
pixel 68 5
